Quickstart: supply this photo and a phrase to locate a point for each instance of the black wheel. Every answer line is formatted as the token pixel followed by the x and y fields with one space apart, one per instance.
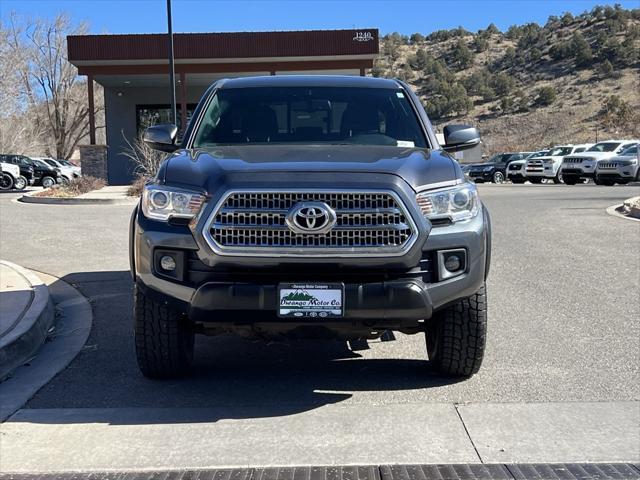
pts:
pixel 48 182
pixel 498 177
pixel 64 181
pixel 517 180
pixel 535 180
pixel 163 337
pixel 558 178
pixel 456 336
pixel 20 183
pixel 568 180
pixel 6 181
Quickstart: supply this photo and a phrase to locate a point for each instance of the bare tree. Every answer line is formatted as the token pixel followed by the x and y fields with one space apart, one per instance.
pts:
pixel 49 85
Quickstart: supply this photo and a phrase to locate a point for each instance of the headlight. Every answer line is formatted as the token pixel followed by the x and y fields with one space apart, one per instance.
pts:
pixel 162 203
pixel 457 203
pixel 487 169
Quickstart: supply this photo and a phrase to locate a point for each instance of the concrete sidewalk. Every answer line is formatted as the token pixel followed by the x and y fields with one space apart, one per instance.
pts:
pixel 98 439
pixel 26 314
pixel 110 192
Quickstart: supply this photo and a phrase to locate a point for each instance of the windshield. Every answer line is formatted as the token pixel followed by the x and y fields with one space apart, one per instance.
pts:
pixel 539 154
pixel 499 158
pixel 633 150
pixel 604 147
pixel 303 115
pixel 559 151
pixel 50 162
pixel 39 163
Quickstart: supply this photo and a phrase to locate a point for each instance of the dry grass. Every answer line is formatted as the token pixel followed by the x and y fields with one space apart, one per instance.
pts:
pixel 135 190
pixel 77 186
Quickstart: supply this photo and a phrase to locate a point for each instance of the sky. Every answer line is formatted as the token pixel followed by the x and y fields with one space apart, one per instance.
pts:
pixel 404 16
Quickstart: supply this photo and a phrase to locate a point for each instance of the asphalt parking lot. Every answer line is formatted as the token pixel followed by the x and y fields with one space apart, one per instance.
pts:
pixel 563 299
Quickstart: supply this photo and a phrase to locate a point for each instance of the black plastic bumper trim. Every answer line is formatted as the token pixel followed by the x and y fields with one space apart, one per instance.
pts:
pixel 391 300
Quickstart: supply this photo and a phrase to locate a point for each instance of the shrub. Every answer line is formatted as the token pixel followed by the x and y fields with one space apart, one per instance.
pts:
pixel 75 187
pixel 461 54
pixel 480 44
pixel 135 190
pixel 581 50
pixel 546 95
pixel 416 38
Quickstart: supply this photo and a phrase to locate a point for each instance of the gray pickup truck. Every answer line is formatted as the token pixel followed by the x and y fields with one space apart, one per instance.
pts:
pixel 310 207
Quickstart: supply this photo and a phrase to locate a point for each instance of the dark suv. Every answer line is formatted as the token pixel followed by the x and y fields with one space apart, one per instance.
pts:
pixel 310 206
pixel 495 170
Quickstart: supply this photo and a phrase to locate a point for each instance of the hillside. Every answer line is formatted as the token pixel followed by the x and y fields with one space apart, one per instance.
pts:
pixel 531 86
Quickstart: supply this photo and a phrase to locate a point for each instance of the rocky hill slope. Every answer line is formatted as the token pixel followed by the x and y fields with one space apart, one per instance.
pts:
pixel 575 79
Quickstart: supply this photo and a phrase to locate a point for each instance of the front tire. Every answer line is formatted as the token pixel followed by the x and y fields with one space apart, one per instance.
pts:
pixel 456 336
pixel 498 177
pixel 6 182
pixel 517 180
pixel 48 182
pixel 535 180
pixel 568 180
pixel 164 339
pixel 20 183
pixel 558 178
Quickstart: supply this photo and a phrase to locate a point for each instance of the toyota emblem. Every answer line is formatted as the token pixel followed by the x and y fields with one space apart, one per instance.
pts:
pixel 311 218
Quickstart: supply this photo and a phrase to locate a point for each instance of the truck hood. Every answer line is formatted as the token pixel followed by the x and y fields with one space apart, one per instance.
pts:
pixel 593 155
pixel 206 168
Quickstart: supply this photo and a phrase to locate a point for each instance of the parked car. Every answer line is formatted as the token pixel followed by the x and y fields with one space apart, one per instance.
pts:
pixel 24 165
pixel 515 170
pixel 549 167
pixel 494 170
pixel 622 168
pixel 343 218
pixel 583 165
pixel 68 172
pixel 10 177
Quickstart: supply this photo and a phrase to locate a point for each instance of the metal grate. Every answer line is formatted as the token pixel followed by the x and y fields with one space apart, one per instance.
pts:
pixel 365 222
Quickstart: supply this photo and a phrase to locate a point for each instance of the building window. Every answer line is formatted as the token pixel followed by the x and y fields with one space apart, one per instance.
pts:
pixel 148 115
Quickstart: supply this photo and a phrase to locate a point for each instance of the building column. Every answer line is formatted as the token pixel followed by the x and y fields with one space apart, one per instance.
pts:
pixel 183 101
pixel 92 111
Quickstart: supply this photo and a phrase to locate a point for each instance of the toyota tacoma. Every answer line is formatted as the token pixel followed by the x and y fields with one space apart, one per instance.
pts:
pixel 310 207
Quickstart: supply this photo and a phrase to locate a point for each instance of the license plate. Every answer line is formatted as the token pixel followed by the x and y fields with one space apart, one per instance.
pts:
pixel 303 300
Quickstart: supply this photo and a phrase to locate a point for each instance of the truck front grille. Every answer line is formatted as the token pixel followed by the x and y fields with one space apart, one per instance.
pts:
pixel 255 223
pixel 572 160
pixel 607 165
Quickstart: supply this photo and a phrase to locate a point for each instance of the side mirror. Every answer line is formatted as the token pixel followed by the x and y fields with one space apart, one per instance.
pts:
pixel 460 137
pixel 161 137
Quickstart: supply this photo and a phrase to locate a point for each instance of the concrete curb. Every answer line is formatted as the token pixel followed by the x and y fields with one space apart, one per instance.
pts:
pixel 74 319
pixel 22 341
pixel 616 211
pixel 30 198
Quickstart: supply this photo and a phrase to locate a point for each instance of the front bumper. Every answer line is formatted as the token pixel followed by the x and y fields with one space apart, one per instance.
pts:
pixel 481 176
pixel 625 173
pixel 387 296
pixel 583 170
pixel 539 173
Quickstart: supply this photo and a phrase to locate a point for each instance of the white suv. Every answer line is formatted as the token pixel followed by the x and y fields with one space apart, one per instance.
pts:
pixel 10 177
pixel 622 168
pixel 549 166
pixel 583 165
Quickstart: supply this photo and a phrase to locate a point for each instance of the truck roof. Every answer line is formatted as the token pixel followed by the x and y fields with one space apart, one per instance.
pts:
pixel 308 81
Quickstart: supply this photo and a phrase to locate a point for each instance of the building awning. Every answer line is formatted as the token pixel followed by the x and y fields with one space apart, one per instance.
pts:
pixel 141 54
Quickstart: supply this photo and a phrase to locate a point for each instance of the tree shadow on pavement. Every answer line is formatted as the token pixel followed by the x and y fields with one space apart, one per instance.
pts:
pixel 232 377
